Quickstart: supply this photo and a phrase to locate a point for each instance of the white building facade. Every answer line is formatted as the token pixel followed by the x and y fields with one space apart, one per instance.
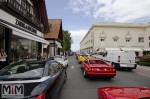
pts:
pixel 117 36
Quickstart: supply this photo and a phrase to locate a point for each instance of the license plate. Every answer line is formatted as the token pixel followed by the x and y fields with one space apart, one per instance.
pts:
pixel 12 91
pixel 97 69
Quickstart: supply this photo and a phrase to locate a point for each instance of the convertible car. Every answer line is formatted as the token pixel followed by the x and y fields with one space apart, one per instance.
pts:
pixel 32 80
pixel 83 57
pixel 123 93
pixel 97 68
pixel 61 59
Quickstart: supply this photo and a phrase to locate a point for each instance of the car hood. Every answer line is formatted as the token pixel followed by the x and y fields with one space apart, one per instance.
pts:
pixel 126 92
pixel 31 88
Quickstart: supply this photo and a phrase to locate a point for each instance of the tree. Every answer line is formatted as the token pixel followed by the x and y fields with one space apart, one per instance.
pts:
pixel 67 41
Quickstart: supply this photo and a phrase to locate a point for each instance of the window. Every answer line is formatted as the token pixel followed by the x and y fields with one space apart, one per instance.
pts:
pixel 54 68
pixel 141 39
pixel 101 39
pixel 23 3
pixel 115 39
pixel 127 40
pixel 28 7
pixel 51 70
pixel 149 38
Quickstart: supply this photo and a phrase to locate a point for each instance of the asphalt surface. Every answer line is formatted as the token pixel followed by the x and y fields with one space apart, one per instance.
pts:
pixel 78 87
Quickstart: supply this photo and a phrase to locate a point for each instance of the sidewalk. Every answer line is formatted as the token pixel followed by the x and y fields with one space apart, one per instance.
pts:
pixel 143 70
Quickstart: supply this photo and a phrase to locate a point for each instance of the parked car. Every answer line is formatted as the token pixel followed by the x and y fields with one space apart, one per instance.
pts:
pixel 32 80
pixel 123 93
pixel 121 59
pixel 98 68
pixel 61 59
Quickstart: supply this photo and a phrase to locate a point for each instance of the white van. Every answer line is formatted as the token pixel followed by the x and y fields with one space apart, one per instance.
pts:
pixel 121 59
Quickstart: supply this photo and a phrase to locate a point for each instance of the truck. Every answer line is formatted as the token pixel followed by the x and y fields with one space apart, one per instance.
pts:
pixel 121 59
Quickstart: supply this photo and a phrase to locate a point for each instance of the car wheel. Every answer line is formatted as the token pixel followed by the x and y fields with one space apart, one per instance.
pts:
pixel 84 74
pixel 65 77
pixel 129 69
pixel 113 65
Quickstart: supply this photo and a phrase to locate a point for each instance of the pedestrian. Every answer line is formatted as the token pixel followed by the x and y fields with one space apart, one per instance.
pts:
pixel 44 56
pixel 49 55
pixel 3 56
pixel 39 56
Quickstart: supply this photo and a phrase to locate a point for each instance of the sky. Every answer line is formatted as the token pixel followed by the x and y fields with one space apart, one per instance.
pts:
pixel 79 15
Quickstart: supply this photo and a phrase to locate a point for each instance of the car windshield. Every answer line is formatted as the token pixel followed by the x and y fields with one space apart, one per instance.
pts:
pixel 59 59
pixel 96 62
pixel 23 70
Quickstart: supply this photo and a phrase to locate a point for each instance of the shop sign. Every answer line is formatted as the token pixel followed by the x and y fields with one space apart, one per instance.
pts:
pixel 25 26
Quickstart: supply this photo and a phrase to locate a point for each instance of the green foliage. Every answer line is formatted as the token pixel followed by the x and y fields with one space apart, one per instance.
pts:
pixel 144 61
pixel 67 41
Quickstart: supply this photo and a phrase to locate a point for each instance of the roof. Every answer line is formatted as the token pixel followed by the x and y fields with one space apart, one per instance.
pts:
pixel 55 29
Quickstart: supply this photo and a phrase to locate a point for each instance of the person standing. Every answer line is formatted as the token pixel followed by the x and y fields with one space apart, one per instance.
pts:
pixel 3 56
pixel 39 57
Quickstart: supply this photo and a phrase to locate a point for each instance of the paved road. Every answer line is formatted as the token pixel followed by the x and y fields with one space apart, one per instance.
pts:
pixel 77 87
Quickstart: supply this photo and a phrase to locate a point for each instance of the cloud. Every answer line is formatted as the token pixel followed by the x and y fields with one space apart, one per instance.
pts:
pixel 116 10
pixel 77 36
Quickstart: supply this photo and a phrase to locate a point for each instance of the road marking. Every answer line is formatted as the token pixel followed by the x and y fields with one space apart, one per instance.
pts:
pixel 143 74
pixel 72 67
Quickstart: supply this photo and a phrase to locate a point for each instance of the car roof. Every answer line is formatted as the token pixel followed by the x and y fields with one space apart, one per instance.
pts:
pixel 126 92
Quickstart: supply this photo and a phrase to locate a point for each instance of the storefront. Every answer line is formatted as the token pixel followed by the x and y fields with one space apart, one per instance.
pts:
pixel 19 40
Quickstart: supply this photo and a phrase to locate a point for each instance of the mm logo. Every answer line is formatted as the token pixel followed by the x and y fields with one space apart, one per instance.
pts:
pixel 16 89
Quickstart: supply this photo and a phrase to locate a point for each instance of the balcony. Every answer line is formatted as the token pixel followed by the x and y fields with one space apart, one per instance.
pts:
pixel 22 11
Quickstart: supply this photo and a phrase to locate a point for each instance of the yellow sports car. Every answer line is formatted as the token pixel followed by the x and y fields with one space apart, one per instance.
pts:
pixel 82 58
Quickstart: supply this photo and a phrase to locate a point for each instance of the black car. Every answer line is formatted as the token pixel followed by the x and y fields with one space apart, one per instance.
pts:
pixel 32 80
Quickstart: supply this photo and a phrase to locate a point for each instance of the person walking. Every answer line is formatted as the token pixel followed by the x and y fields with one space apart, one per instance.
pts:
pixel 3 56
pixel 39 57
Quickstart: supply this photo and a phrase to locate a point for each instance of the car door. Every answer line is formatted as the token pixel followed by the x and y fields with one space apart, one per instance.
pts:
pixel 55 72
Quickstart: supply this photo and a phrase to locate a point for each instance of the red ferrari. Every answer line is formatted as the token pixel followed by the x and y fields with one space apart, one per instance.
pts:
pixel 123 93
pixel 97 68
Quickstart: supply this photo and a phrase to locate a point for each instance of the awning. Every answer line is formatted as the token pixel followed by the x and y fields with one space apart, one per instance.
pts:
pixel 26 35
pixel 45 45
pixel 132 49
pixel 114 49
pixel 58 44
pixel 146 49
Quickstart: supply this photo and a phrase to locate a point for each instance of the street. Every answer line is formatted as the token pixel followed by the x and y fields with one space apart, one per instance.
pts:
pixel 78 87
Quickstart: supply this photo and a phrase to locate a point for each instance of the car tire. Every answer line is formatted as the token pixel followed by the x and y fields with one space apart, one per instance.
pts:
pixel 113 65
pixel 129 69
pixel 84 74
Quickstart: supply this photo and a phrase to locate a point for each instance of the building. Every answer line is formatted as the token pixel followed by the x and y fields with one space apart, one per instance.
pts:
pixel 117 36
pixel 22 25
pixel 55 37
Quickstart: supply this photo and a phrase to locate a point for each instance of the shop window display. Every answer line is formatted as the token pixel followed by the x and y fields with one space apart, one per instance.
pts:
pixel 23 49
